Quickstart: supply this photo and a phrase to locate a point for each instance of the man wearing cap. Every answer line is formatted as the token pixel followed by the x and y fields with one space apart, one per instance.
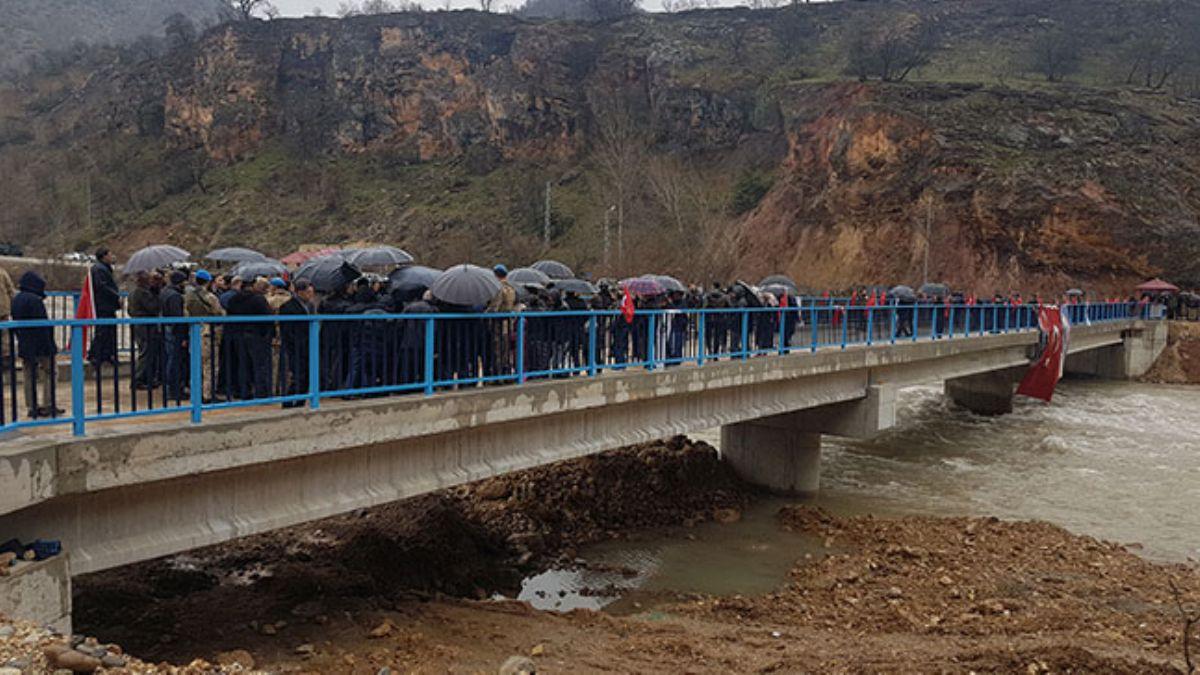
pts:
pixel 278 295
pixel 495 358
pixel 199 300
pixel 174 337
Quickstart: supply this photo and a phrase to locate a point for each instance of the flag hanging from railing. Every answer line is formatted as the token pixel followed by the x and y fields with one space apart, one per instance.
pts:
pixel 1047 367
pixel 86 308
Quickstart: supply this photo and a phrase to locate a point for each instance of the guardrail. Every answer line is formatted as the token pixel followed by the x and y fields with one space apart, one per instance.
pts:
pixel 302 360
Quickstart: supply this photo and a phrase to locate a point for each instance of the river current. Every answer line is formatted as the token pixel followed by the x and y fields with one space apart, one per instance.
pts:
pixel 1114 460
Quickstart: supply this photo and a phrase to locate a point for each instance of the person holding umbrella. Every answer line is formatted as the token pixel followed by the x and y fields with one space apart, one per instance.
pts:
pixel 107 299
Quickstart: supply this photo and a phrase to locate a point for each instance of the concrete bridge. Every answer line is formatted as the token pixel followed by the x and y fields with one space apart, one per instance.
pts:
pixel 140 489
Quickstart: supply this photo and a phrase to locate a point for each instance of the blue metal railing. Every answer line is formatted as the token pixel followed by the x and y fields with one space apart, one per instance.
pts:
pixel 198 365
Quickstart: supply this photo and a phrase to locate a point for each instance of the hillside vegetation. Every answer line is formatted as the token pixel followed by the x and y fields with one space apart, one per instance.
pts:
pixel 1039 144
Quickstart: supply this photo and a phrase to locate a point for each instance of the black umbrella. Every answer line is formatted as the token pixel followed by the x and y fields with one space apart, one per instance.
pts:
pixel 328 274
pixel 235 254
pixel 902 293
pixel 528 275
pixel 260 268
pixel 411 281
pixel 671 284
pixel 576 286
pixel 553 269
pixel 379 256
pixel 936 290
pixel 465 285
pixel 780 280
pixel 154 257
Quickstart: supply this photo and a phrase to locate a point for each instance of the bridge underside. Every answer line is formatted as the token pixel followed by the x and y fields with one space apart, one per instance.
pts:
pixel 127 497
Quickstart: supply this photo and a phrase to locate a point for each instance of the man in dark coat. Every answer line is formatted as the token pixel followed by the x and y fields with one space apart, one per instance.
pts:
pixel 293 342
pixel 144 303
pixel 253 340
pixel 35 346
pixel 175 337
pixel 107 298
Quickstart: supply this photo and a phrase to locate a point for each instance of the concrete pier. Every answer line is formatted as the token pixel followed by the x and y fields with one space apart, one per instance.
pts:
pixel 39 592
pixel 986 393
pixel 783 452
pixel 1139 348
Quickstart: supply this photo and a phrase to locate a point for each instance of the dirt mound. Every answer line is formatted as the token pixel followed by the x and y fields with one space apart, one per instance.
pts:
pixel 470 541
pixel 1179 362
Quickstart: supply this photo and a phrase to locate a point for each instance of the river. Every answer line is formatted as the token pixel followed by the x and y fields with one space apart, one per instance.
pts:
pixel 1118 461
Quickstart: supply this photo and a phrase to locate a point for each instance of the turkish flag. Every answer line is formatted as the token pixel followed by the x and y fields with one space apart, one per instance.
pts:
pixel 627 307
pixel 86 309
pixel 1047 369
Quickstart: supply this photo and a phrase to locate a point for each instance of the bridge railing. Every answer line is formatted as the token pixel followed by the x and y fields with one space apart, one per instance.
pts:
pixel 193 367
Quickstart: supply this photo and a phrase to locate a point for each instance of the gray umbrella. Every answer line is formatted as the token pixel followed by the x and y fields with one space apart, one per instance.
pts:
pixel 938 290
pixel 328 274
pixel 1075 292
pixel 260 268
pixel 780 280
pixel 154 257
pixel 411 281
pixel 379 256
pixel 235 254
pixel 553 269
pixel 671 284
pixel 902 293
pixel 528 275
pixel 576 286
pixel 465 285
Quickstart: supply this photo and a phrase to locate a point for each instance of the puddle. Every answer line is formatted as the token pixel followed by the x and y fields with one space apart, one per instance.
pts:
pixel 750 557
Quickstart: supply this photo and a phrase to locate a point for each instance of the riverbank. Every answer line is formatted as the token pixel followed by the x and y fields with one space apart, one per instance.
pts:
pixel 414 586
pixel 1179 362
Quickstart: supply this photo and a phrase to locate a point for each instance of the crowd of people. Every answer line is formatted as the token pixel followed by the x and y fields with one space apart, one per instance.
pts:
pixel 270 357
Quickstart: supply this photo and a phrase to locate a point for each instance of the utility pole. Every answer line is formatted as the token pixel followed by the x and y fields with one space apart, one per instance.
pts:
pixel 546 218
pixel 928 223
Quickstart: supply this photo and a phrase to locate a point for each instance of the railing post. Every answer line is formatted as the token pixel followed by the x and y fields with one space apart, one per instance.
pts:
pixel 650 340
pixel 933 327
pixel 521 350
pixel 429 357
pixel 813 314
pixel 950 327
pixel 782 332
pixel 845 325
pixel 995 318
pixel 870 326
pixel 591 344
pixel 745 333
pixel 700 338
pixel 892 314
pixel 195 370
pixel 77 426
pixel 314 364
pixel 1007 314
pixel 916 325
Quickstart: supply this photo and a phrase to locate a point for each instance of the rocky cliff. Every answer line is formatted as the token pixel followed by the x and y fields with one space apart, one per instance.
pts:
pixel 712 143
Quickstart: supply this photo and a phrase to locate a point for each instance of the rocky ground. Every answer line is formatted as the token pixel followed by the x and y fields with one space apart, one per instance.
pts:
pixel 1180 361
pixel 410 588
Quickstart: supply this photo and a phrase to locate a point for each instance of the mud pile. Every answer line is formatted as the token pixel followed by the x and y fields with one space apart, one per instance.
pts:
pixel 472 541
pixel 1179 363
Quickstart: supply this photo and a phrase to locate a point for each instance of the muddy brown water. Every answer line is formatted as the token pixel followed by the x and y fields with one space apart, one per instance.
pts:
pixel 1118 461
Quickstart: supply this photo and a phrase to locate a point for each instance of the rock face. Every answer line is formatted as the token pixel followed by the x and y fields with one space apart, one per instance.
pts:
pixel 438 131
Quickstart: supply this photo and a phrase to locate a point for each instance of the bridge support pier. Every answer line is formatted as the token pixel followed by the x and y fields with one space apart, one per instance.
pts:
pixel 988 393
pixel 39 592
pixel 1138 351
pixel 783 452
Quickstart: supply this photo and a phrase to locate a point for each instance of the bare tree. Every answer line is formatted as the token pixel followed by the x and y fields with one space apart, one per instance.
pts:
pixel 889 48
pixel 378 7
pixel 1055 54
pixel 670 183
pixel 245 9
pixel 618 151
pixel 316 12
pixel 485 5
